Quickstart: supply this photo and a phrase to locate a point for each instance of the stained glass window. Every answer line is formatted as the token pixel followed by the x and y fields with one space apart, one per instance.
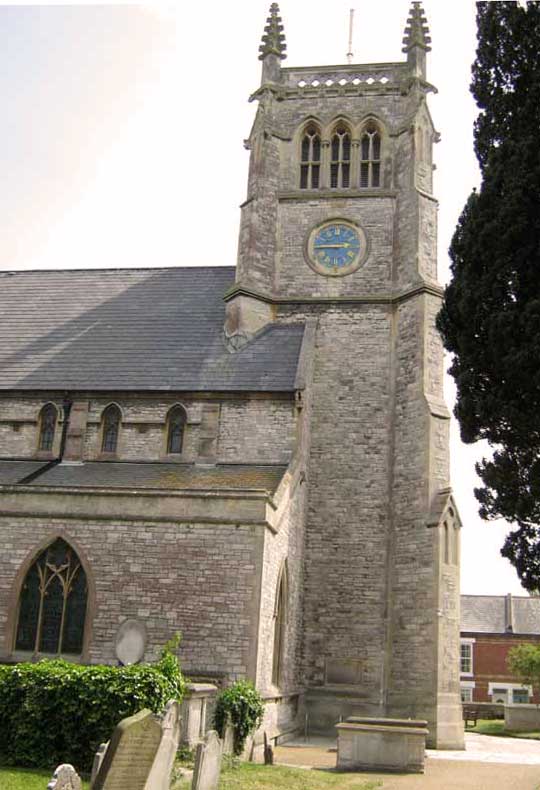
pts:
pixel 52 604
pixel 175 430
pixel 111 428
pixel 47 427
pixel 370 157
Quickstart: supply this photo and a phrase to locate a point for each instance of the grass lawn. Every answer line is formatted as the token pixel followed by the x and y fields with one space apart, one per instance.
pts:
pixel 26 779
pixel 496 727
pixel 248 776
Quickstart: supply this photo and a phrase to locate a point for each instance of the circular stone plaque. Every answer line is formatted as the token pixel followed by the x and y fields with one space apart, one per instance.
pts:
pixel 130 642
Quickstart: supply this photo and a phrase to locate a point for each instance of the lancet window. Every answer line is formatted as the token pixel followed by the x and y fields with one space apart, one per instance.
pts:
pixel 310 164
pixel 176 423
pixel 47 427
pixel 370 156
pixel 340 164
pixel 52 603
pixel 110 430
pixel 280 620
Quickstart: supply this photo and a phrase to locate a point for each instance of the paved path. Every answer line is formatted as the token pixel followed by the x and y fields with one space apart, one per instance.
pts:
pixel 489 763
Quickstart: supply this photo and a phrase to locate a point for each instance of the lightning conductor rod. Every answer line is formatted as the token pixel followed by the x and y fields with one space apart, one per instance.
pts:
pixel 351 23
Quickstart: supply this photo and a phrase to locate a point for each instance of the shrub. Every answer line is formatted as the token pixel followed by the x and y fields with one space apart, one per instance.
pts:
pixel 55 712
pixel 242 705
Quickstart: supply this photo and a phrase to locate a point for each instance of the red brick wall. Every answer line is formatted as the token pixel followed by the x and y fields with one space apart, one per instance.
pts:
pixel 489 662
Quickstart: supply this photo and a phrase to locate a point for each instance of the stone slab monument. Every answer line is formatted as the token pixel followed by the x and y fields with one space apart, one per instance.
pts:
pixel 130 756
pixel 381 744
pixel 208 763
pixel 65 778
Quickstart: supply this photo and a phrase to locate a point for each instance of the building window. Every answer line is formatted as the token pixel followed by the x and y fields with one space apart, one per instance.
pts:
pixel 310 166
pixel 110 429
pixel 340 164
pixel 466 658
pixel 466 694
pixel 47 427
pixel 370 157
pixel 176 423
pixel 520 696
pixel 280 619
pixel 52 604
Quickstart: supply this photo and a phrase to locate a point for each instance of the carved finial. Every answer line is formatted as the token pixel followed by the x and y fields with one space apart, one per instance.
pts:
pixel 273 40
pixel 416 31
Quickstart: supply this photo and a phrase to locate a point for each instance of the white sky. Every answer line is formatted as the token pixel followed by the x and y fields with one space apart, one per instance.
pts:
pixel 121 145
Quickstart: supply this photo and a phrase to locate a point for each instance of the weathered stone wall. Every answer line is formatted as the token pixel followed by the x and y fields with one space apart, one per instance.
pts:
pixel 201 580
pixel 247 428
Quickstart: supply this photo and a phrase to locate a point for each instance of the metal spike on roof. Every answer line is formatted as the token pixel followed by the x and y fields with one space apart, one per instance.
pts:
pixel 273 40
pixel 416 31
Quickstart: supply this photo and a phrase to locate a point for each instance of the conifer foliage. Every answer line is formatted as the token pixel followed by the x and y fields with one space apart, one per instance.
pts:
pixel 490 318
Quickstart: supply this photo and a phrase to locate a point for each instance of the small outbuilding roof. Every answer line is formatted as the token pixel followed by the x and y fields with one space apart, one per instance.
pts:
pixel 500 614
pixel 134 329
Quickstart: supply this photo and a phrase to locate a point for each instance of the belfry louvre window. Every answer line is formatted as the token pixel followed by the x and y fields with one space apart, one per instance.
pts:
pixel 340 165
pixel 110 429
pixel 310 166
pixel 47 427
pixel 175 430
pixel 370 157
pixel 52 604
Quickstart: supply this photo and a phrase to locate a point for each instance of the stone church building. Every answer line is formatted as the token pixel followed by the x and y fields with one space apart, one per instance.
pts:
pixel 255 456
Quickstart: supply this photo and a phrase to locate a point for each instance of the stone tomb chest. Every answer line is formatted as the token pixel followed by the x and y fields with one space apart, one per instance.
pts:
pixel 377 744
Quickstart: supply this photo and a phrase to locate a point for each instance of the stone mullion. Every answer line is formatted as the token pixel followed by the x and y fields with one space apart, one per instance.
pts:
pixel 325 165
pixel 355 164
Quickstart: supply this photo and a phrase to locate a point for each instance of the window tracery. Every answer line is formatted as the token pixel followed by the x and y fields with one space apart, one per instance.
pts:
pixel 176 423
pixel 52 603
pixel 310 156
pixel 110 429
pixel 370 156
pixel 47 427
pixel 340 163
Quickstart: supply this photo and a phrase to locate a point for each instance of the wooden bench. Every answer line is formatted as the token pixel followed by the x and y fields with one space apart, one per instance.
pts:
pixel 470 714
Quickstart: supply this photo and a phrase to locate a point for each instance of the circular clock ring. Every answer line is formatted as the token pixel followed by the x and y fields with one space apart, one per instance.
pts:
pixel 336 247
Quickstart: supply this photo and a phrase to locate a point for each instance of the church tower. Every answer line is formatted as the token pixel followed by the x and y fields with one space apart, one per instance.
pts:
pixel 339 229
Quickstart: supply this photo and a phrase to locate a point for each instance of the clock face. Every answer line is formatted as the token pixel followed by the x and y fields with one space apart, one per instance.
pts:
pixel 336 248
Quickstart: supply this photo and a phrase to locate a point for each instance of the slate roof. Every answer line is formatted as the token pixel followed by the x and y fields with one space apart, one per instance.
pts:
pixel 148 475
pixel 133 329
pixel 499 614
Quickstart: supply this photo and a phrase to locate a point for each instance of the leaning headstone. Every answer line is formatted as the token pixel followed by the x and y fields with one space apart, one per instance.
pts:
pixel 65 778
pixel 160 774
pixel 207 763
pixel 131 753
pixel 98 759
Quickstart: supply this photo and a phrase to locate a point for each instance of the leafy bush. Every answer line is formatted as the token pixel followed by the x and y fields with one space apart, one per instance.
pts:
pixel 242 705
pixel 55 712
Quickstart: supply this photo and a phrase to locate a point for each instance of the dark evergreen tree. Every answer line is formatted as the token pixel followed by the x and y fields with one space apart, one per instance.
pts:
pixel 490 319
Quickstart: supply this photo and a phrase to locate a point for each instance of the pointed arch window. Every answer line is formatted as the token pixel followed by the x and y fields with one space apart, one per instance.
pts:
pixel 176 423
pixel 52 603
pixel 110 429
pixel 280 620
pixel 310 166
pixel 340 164
pixel 370 156
pixel 47 427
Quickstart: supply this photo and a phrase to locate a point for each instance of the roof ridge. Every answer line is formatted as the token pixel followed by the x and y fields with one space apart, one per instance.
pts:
pixel 12 272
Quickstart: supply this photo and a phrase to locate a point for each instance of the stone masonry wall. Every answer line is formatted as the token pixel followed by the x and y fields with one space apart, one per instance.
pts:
pixel 256 430
pixel 200 580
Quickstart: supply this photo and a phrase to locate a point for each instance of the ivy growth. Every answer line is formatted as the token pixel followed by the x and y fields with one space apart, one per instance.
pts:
pixel 243 706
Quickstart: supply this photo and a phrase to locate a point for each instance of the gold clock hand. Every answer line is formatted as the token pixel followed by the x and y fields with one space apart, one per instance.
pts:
pixel 331 246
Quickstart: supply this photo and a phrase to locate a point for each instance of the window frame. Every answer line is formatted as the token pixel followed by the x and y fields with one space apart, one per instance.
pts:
pixel 371 160
pixel 466 643
pixel 280 617
pixel 47 452
pixel 104 453
pixel 312 130
pixel 180 409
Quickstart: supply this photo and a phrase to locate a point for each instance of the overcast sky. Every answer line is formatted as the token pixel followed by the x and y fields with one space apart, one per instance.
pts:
pixel 121 144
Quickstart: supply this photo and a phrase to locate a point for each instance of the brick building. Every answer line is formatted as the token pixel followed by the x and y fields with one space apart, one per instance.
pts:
pixel 254 456
pixel 490 626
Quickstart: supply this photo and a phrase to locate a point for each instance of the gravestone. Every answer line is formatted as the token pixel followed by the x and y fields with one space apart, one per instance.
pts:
pixel 207 763
pixel 160 774
pixel 65 778
pixel 131 753
pixel 130 642
pixel 98 759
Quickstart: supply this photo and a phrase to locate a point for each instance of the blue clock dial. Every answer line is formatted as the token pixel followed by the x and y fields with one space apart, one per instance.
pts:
pixel 336 246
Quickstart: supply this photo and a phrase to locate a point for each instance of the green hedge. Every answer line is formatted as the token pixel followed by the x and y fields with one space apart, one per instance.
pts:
pixel 55 712
pixel 243 706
